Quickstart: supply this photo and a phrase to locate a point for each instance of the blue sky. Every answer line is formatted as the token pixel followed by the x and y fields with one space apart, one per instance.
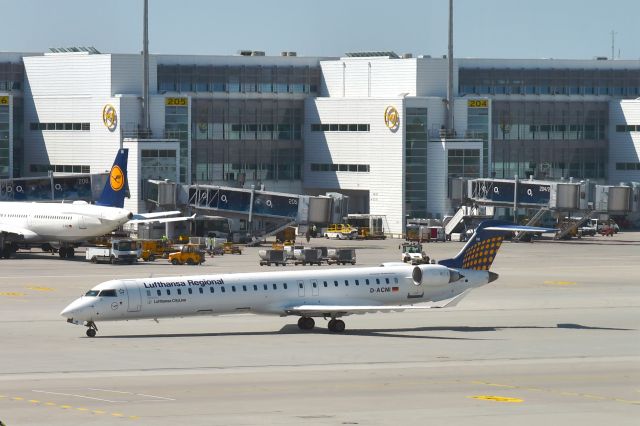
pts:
pixel 572 29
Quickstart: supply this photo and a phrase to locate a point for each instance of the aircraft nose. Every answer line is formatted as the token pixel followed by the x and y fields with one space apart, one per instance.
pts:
pixel 493 276
pixel 75 310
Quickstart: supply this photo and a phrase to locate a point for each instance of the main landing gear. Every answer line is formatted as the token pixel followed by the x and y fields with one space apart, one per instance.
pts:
pixel 91 331
pixel 66 252
pixel 335 325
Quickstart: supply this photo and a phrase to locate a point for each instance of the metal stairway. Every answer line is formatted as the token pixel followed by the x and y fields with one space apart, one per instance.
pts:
pixel 533 221
pixel 570 226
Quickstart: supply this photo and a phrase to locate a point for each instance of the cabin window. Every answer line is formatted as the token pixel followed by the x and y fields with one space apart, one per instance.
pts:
pixel 275 287
pixel 223 290
pixel 108 293
pixel 335 283
pixel 211 289
pixel 357 282
pixel 377 281
pixel 179 291
pixel 159 292
pixel 168 292
pixel 346 283
pixel 325 284
pixel 395 280
pixel 148 293
pixel 244 288
pixel 265 287
pixel 315 284
pixel 190 290
pixel 366 281
pixel 300 285
pixel 386 280
pixel 284 285
pixel 201 290
pixel 233 288
pixel 255 287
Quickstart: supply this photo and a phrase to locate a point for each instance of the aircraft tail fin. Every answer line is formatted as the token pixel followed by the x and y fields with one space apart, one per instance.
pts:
pixel 116 187
pixel 482 247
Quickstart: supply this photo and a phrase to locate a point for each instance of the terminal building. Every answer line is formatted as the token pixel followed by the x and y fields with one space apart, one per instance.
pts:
pixel 370 125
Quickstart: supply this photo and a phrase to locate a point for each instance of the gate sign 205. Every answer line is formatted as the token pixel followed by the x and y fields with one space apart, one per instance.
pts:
pixel 276 205
pixel 531 193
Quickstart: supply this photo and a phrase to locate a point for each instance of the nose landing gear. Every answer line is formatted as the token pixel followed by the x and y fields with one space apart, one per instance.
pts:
pixel 91 331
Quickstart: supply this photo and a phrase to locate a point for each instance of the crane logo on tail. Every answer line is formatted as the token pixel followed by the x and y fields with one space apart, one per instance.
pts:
pixel 116 178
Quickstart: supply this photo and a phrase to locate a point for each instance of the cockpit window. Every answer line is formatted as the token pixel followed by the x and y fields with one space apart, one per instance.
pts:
pixel 92 293
pixel 108 293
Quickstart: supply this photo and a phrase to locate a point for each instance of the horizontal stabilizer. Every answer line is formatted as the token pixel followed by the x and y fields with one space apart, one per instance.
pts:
pixel 162 219
pixel 519 228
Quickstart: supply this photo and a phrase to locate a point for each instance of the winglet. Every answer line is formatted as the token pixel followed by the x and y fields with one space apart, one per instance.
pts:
pixel 116 187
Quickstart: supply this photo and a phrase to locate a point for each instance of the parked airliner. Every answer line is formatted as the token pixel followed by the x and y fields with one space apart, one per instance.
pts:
pixel 329 293
pixel 65 225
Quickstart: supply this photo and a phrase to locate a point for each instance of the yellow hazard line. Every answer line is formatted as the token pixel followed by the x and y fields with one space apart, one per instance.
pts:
pixel 560 282
pixel 65 406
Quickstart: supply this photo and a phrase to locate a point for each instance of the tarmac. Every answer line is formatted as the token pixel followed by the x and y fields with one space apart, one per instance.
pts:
pixel 554 340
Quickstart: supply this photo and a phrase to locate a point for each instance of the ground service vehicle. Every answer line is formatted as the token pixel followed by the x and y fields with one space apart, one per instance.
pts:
pixel 412 253
pixel 152 249
pixel 118 251
pixel 341 256
pixel 341 231
pixel 230 248
pixel 189 254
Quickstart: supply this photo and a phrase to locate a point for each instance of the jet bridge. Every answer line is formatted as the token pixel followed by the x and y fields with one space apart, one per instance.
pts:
pixel 583 199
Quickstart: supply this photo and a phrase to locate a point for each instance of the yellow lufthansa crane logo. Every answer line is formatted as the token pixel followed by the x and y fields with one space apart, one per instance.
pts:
pixel 116 178
pixel 4 100
pixel 391 117
pixel 110 117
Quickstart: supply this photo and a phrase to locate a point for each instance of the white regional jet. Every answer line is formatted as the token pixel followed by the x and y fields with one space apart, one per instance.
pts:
pixel 329 293
pixel 66 225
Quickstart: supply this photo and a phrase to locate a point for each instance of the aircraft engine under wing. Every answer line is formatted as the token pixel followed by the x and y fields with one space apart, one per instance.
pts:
pixel 16 231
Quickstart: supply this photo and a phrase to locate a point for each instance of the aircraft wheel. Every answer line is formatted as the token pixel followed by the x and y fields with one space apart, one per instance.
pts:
pixel 336 326
pixel 62 252
pixel 91 332
pixel 306 323
pixel 6 252
pixel 70 252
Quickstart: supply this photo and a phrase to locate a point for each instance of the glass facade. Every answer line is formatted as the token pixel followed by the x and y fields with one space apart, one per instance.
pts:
pixel 4 137
pixel 11 76
pixel 416 163
pixel 246 140
pixel 478 127
pixel 462 163
pixel 509 81
pixel 176 126
pixel 550 139
pixel 238 79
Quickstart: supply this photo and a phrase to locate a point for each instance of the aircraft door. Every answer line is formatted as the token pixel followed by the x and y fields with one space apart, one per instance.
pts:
pixel 134 297
pixel 314 288
pixel 301 288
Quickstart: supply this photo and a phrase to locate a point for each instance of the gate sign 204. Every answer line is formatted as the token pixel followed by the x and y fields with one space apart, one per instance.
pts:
pixel 531 193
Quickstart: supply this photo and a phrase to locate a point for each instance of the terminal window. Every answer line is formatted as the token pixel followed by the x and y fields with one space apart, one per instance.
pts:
pixel 84 127
pixel 359 168
pixel 323 127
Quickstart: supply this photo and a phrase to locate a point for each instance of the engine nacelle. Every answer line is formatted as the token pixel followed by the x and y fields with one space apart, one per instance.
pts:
pixel 434 275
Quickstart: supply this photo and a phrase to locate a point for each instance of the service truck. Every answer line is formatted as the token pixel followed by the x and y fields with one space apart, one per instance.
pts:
pixel 118 251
